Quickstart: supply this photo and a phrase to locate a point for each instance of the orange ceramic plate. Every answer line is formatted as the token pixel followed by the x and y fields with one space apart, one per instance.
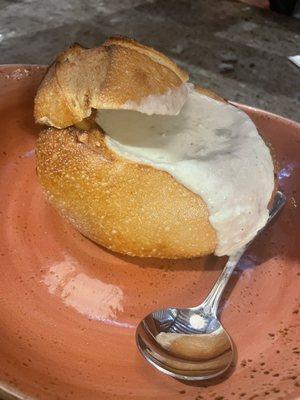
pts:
pixel 69 308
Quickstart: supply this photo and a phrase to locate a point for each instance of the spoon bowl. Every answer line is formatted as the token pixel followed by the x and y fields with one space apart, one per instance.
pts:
pixel 190 343
pixel 185 344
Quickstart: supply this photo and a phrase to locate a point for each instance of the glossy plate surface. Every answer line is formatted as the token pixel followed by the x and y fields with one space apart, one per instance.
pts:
pixel 69 308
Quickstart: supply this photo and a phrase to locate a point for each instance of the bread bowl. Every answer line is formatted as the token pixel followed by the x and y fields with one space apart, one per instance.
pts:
pixel 143 162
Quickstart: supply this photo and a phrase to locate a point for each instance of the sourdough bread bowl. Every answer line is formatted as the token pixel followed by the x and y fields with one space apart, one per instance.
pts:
pixel 143 162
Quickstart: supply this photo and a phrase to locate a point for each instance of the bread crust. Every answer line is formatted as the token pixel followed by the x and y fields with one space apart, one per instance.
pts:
pixel 127 207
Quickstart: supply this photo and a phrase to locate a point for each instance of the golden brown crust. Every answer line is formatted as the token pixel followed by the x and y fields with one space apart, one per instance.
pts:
pixel 148 51
pixel 127 207
pixel 107 76
pixel 71 86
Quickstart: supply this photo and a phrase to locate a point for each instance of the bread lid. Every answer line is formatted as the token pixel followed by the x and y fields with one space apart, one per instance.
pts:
pixel 120 74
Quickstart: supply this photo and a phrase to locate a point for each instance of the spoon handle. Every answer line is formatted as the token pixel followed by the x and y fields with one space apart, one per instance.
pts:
pixel 211 303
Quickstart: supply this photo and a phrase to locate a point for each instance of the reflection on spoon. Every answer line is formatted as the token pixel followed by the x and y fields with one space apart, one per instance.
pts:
pixel 195 346
pixel 89 296
pixel 212 351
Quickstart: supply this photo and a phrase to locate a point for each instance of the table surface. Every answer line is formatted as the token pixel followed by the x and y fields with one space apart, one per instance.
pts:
pixel 237 50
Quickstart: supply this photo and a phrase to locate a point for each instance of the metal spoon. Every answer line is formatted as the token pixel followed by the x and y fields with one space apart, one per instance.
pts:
pixel 191 343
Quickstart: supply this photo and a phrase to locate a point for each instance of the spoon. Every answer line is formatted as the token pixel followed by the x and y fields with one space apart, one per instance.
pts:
pixel 190 343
